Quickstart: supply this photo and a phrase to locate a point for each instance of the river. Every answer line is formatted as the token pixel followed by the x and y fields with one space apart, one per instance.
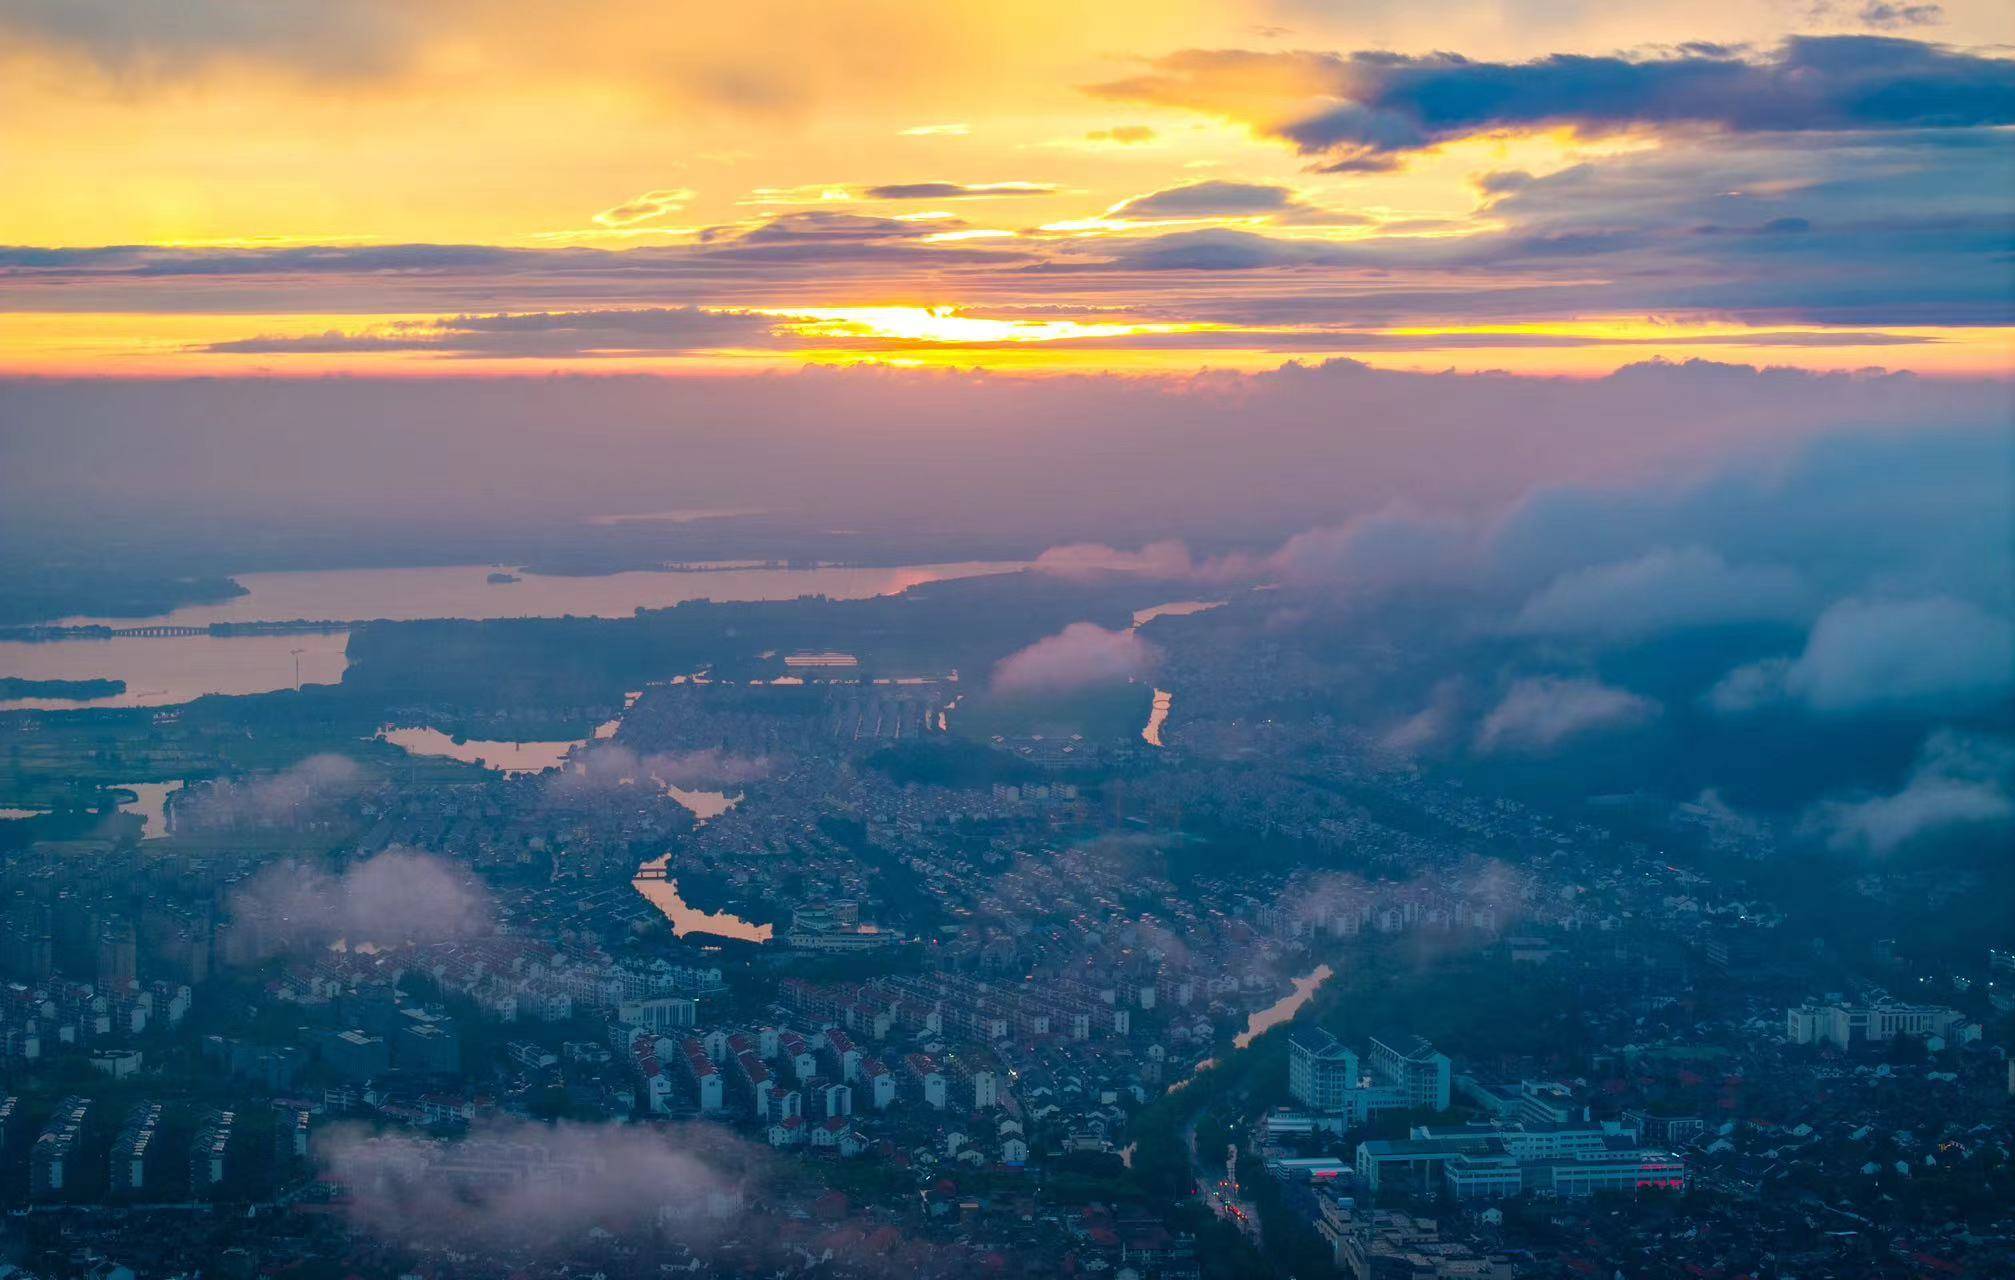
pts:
pixel 1257 1024
pixel 1264 1020
pixel 1157 716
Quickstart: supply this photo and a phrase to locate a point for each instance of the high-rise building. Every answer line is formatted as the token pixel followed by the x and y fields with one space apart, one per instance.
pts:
pixel 1400 1073
pixel 118 956
pixel 1320 1069
pixel 1411 1065
pixel 356 1055
pixel 430 1047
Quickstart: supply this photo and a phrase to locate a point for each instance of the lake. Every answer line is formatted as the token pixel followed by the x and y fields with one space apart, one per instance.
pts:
pixel 664 895
pixel 508 758
pixel 1173 609
pixel 163 671
pixel 150 804
pixel 513 758
pixel 465 591
pixel 705 805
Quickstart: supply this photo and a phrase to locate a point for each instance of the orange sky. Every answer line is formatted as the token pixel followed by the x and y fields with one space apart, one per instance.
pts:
pixel 936 184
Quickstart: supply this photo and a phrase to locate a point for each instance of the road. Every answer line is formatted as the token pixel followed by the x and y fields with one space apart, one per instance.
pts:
pixel 1220 1190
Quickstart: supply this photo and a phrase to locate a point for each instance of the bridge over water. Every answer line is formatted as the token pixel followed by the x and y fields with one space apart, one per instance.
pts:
pixel 158 630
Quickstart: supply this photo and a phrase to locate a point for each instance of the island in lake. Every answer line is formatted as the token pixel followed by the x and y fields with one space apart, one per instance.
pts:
pixel 12 687
pixel 499 578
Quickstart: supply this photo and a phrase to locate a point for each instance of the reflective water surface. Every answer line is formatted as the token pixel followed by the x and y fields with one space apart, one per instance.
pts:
pixel 150 802
pixel 1157 716
pixel 466 591
pixel 664 895
pixel 164 670
pixel 504 757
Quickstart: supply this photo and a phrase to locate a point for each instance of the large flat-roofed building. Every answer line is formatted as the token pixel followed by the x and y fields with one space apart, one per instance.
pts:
pixel 820 926
pixel 1376 1244
pixel 1845 1025
pixel 822 661
pixel 1474 1162
pixel 659 1014
pixel 1544 1102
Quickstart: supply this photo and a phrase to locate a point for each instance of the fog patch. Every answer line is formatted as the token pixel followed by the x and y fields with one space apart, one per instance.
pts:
pixel 1662 590
pixel 1081 655
pixel 610 765
pixel 533 1187
pixel 1541 713
pixel 268 800
pixel 1862 654
pixel 1959 781
pixel 396 898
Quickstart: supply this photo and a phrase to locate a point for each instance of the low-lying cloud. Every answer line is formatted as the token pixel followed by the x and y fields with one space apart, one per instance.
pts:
pixel 1663 590
pixel 1431 727
pixel 395 898
pixel 1960 781
pixel 1168 558
pixel 535 1187
pixel 1540 713
pixel 1931 653
pixel 271 799
pixel 608 765
pixel 1082 655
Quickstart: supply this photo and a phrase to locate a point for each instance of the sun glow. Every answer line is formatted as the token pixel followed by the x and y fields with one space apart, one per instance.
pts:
pixel 949 325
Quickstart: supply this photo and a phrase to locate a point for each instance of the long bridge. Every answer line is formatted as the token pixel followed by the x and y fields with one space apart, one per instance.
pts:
pixel 158 630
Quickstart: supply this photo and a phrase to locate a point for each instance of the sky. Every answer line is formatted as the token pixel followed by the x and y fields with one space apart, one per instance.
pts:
pixel 282 188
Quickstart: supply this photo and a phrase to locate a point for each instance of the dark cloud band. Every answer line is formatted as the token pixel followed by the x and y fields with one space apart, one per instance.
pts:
pixel 1361 109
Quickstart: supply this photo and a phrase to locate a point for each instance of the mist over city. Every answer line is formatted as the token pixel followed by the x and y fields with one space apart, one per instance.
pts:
pixel 1157 641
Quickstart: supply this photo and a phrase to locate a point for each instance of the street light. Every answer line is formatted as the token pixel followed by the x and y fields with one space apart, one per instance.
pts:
pixel 297 667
